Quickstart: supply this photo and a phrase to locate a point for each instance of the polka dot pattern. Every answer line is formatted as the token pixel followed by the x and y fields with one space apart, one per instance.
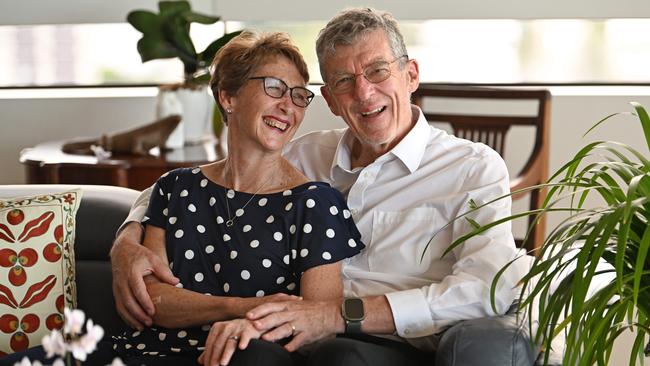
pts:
pixel 275 238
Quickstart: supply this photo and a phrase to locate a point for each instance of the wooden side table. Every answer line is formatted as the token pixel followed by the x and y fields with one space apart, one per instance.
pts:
pixel 46 163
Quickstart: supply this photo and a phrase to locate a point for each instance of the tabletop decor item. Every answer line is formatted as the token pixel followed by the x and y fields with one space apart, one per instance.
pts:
pixel 590 281
pixel 166 34
pixel 135 141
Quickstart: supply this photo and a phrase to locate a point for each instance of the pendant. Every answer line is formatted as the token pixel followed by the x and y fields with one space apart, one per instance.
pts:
pixel 230 222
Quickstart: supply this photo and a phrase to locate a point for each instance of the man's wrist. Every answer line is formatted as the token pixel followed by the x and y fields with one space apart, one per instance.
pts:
pixel 131 233
pixel 338 321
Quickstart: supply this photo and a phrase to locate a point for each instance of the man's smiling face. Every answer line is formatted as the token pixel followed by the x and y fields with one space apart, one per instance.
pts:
pixel 378 114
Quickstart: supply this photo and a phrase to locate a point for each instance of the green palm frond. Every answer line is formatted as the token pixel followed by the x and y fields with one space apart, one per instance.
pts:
pixel 587 246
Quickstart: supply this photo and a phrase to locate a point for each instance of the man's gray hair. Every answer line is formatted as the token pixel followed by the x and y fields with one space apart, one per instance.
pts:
pixel 350 24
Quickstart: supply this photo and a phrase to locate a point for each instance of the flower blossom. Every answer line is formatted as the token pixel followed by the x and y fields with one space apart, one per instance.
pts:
pixel 54 344
pixel 87 343
pixel 74 321
pixel 26 362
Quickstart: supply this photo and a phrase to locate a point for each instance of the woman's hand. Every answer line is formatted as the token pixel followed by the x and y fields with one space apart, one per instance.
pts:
pixel 224 338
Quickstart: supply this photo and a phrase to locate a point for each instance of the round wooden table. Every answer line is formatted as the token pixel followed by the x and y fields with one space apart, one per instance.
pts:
pixel 46 163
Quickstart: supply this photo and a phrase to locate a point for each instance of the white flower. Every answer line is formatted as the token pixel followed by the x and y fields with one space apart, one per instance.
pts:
pixel 78 351
pixel 53 344
pixel 25 362
pixel 74 321
pixel 117 362
pixel 87 343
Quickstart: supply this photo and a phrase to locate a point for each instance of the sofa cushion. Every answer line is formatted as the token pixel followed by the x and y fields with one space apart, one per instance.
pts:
pixel 102 211
pixel 37 266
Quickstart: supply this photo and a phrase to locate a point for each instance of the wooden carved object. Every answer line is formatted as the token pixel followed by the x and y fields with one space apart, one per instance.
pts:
pixel 137 141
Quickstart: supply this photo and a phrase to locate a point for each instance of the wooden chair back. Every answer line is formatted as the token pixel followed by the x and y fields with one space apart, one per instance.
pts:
pixel 492 130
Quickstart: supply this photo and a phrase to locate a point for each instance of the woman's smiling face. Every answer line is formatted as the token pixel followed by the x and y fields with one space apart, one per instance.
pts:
pixel 256 116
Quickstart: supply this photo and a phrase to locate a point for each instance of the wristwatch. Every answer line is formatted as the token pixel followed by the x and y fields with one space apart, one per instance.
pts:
pixel 353 314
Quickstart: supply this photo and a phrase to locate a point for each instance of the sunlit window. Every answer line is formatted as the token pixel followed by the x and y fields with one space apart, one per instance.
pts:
pixel 570 51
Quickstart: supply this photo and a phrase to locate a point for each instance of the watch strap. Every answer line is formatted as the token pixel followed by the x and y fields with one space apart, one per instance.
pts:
pixel 352 326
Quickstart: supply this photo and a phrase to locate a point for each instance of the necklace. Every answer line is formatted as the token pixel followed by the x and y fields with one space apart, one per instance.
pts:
pixel 231 219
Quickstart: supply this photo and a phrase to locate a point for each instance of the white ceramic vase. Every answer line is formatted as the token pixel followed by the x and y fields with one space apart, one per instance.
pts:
pixel 195 105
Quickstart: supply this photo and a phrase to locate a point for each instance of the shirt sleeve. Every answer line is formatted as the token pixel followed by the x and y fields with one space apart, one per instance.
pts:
pixel 157 210
pixel 138 209
pixel 465 293
pixel 324 230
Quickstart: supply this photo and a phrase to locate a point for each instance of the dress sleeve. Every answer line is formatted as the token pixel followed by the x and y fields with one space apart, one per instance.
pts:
pixel 156 214
pixel 324 230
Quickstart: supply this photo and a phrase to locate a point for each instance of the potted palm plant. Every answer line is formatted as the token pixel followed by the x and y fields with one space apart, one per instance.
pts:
pixel 166 34
pixel 590 281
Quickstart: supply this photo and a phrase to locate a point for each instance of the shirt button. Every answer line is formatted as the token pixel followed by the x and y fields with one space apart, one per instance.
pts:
pixel 407 331
pixel 354 212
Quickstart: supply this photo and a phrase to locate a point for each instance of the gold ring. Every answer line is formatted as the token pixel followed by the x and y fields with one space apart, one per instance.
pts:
pixel 234 338
pixel 293 329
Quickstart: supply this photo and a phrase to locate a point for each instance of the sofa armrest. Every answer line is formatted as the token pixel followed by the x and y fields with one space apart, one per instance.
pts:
pixel 498 341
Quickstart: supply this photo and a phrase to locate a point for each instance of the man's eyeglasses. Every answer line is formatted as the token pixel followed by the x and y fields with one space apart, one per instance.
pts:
pixel 276 88
pixel 374 73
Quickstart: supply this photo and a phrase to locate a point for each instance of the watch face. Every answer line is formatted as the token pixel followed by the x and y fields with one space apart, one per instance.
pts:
pixel 354 309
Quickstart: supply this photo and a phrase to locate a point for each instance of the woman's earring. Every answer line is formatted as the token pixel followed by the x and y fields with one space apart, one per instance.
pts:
pixel 228 110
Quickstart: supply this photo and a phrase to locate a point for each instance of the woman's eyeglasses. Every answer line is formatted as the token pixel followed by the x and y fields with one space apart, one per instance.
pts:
pixel 276 88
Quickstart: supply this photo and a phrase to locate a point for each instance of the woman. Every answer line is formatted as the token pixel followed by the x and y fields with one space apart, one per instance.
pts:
pixel 244 230
pixel 248 227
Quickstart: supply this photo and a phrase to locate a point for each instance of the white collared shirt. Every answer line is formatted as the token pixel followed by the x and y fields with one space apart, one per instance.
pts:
pixel 398 202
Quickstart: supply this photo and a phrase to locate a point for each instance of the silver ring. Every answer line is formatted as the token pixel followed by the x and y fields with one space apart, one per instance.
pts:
pixel 234 338
pixel 293 329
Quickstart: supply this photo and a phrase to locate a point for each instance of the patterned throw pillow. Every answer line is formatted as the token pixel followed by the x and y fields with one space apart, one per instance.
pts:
pixel 37 277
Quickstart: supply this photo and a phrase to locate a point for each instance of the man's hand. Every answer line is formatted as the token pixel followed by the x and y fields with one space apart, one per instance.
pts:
pixel 247 304
pixel 307 321
pixel 224 338
pixel 131 262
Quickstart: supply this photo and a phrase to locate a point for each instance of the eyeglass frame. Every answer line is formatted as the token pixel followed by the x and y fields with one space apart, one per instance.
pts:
pixel 367 68
pixel 289 89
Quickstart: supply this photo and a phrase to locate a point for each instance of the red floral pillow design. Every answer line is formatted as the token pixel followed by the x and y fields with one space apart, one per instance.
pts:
pixel 37 278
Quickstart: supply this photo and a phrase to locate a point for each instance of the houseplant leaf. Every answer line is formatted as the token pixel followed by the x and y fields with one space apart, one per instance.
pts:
pixel 191 17
pixel 144 21
pixel 170 7
pixel 591 279
pixel 208 54
pixel 152 47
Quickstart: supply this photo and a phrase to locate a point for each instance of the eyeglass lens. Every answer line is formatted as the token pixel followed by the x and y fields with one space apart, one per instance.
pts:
pixel 374 73
pixel 276 88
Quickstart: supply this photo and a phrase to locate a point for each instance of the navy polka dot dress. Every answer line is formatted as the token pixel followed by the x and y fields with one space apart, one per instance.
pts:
pixel 274 238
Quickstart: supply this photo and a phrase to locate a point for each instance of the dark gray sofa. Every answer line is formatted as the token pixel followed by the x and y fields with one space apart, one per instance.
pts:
pixel 499 341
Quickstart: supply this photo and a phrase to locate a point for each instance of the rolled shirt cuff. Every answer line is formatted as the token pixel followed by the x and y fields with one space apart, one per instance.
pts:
pixel 411 313
pixel 136 214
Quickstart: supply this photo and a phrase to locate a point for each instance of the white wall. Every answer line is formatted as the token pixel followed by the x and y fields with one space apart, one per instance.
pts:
pixel 100 11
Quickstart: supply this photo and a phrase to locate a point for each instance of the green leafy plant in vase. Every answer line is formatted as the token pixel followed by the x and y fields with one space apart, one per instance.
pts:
pixel 590 280
pixel 166 34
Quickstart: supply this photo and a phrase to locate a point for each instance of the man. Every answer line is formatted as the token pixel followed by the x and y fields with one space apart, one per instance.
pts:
pixel 404 181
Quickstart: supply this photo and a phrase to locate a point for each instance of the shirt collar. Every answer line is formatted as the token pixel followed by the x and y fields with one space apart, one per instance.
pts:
pixel 410 150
